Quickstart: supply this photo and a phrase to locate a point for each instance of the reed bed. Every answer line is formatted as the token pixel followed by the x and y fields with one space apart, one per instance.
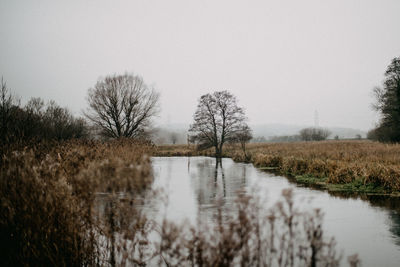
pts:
pixel 78 203
pixel 365 165
pixel 48 193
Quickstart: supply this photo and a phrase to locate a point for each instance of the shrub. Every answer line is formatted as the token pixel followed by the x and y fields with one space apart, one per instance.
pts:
pixel 48 198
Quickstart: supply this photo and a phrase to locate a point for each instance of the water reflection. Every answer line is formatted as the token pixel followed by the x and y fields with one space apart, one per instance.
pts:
pixel 394 226
pixel 387 203
pixel 368 225
pixel 209 182
pixel 392 205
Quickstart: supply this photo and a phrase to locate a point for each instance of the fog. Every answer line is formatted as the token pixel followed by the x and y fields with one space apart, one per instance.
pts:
pixel 283 60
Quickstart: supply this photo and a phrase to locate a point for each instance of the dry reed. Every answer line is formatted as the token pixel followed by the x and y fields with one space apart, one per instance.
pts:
pixel 78 204
pixel 48 197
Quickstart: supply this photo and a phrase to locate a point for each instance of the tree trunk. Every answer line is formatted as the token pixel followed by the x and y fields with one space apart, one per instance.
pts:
pixel 217 151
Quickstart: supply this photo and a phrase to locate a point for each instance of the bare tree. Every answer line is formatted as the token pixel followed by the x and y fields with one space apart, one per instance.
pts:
pixel 242 137
pixel 35 106
pixel 122 105
pixel 36 121
pixel 6 104
pixel 217 120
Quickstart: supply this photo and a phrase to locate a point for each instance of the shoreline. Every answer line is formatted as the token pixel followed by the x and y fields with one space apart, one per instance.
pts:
pixel 301 176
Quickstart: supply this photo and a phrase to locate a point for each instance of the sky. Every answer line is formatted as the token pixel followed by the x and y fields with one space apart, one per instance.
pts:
pixel 284 60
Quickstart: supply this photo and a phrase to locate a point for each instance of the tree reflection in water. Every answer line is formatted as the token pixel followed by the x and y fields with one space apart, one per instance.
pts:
pixel 217 183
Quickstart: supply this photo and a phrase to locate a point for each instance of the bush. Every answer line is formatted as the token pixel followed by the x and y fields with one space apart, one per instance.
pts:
pixel 314 134
pixel 49 215
pixel 36 121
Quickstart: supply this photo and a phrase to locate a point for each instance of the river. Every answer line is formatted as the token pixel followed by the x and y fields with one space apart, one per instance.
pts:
pixel 367 225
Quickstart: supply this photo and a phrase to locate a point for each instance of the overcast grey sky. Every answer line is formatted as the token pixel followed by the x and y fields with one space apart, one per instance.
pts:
pixel 282 59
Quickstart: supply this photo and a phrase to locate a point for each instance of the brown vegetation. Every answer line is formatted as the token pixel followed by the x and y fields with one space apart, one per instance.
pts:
pixel 35 122
pixel 78 204
pixel 48 195
pixel 337 162
pixel 252 236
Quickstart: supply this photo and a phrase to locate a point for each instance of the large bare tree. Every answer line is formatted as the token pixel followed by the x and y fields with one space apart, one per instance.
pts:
pixel 217 120
pixel 122 105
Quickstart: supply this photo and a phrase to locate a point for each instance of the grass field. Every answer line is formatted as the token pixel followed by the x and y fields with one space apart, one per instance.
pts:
pixel 357 166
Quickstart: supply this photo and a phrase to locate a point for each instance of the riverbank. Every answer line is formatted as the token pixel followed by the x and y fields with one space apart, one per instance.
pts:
pixel 347 166
pixel 81 203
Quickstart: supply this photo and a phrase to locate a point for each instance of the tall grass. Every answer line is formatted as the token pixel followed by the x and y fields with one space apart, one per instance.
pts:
pixel 47 194
pixel 79 204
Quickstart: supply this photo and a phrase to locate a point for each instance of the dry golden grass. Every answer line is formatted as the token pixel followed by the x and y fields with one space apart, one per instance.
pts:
pixel 52 214
pixel 366 162
pixel 47 213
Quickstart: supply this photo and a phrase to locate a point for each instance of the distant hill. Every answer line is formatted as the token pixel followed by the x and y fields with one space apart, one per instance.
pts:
pixel 163 133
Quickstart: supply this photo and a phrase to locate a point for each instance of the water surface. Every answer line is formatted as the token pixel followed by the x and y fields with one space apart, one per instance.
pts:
pixel 369 226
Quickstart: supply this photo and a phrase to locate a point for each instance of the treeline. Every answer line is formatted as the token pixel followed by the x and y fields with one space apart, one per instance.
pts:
pixel 388 105
pixel 314 134
pixel 306 134
pixel 120 106
pixel 36 121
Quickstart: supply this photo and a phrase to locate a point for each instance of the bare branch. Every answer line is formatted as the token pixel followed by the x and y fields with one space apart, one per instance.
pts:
pixel 217 120
pixel 122 106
